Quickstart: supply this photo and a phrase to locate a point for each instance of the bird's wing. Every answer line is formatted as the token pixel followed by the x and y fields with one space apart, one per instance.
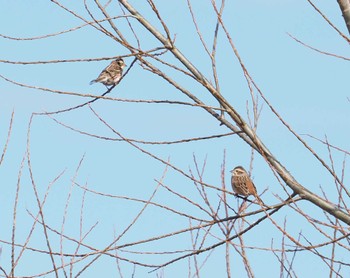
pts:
pixel 110 67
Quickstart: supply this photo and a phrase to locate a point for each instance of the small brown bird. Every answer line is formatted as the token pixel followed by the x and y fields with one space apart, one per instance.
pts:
pixel 111 74
pixel 242 184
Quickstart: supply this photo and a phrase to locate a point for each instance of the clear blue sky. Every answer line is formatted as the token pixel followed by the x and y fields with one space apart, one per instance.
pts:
pixel 309 90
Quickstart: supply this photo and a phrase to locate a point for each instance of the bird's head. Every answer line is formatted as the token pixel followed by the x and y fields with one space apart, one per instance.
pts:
pixel 120 63
pixel 239 170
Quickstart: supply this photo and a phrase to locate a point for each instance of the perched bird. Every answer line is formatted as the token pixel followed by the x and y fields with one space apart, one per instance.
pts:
pixel 111 74
pixel 242 184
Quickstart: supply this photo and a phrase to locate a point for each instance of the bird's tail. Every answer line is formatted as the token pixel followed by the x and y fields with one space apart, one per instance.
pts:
pixel 93 81
pixel 261 201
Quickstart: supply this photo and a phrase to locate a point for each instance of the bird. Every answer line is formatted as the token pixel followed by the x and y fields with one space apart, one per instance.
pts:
pixel 112 74
pixel 243 185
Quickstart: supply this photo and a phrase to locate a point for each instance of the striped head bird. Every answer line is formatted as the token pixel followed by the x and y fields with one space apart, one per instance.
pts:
pixel 112 74
pixel 242 184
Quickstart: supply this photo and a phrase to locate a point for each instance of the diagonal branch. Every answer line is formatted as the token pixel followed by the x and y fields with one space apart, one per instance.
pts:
pixel 255 142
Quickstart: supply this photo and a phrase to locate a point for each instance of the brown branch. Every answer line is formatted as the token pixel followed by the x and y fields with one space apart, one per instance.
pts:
pixel 136 53
pixel 329 22
pixel 140 201
pixel 14 223
pixel 317 50
pixel 181 141
pixel 7 138
pixel 61 32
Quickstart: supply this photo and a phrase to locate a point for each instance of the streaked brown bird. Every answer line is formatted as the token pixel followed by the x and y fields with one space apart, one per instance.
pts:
pixel 243 185
pixel 111 74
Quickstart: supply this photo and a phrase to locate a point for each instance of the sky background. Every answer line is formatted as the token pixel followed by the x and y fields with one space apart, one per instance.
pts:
pixel 308 89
